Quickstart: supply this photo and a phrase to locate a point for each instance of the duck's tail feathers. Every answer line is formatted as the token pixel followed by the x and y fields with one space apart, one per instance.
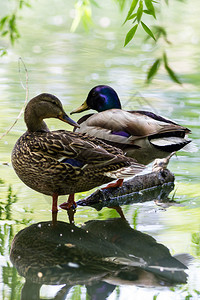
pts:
pixel 170 144
pixel 125 172
pixel 191 147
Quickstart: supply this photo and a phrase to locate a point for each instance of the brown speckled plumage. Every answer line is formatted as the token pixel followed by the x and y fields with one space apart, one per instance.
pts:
pixel 62 162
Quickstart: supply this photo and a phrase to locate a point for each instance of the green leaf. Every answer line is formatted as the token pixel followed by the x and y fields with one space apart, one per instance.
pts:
pixel 172 74
pixel 165 59
pixel 24 3
pixel 3 21
pixel 150 7
pixel 140 11
pixel 130 34
pixel 196 238
pixel 147 12
pixel 159 31
pixel 132 16
pixel 197 292
pixel 95 3
pixel 153 70
pixel 4 33
pixel 148 30
pixel 133 6
pixel 121 4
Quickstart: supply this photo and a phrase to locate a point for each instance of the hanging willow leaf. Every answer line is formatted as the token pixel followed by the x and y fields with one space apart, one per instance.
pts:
pixel 148 30
pixel 130 34
pixel 160 31
pixel 133 6
pixel 146 11
pixel 96 4
pixel 3 22
pixel 2 53
pixel 132 16
pixel 121 4
pixel 140 11
pixel 165 59
pixel 153 70
pixel 5 32
pixel 172 74
pixel 150 7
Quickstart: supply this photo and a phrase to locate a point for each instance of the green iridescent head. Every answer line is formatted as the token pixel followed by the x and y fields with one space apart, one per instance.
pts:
pixel 100 98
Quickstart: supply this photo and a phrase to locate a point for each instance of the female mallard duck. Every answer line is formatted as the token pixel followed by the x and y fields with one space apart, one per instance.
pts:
pixel 142 135
pixel 61 162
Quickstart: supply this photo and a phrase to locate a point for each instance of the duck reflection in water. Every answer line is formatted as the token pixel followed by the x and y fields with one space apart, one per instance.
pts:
pixel 100 255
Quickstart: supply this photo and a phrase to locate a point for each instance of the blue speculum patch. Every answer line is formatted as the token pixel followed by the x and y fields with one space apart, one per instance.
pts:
pixel 121 133
pixel 73 162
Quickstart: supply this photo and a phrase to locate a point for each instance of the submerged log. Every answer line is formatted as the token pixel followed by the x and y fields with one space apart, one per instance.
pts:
pixel 142 188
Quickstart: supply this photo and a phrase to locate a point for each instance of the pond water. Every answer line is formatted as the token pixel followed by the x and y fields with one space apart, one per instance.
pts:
pixel 68 65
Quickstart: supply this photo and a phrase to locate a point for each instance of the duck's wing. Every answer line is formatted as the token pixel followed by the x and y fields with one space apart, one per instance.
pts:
pixel 122 126
pixel 82 152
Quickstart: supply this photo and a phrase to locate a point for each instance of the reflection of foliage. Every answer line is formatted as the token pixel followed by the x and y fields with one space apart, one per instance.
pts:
pixel 5 207
pixel 76 293
pixel 6 236
pixel 135 218
pixel 185 292
pixel 12 280
pixel 196 242
pixel 11 198
pixel 9 274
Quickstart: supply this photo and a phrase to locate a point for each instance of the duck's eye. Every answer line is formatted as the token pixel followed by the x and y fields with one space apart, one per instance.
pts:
pixel 94 94
pixel 49 101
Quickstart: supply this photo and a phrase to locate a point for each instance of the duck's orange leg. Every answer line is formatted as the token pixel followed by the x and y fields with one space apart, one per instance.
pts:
pixel 54 209
pixel 69 206
pixel 118 183
pixel 70 203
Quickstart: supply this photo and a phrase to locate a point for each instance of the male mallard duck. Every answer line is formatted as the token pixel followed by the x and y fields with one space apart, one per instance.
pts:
pixel 61 162
pixel 142 135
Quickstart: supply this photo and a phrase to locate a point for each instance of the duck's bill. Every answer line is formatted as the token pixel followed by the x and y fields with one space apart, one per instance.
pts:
pixel 67 119
pixel 81 108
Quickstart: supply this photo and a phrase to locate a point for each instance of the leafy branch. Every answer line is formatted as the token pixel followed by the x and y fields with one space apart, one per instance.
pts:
pixel 135 13
pixel 8 25
pixel 155 67
pixel 137 10
pixel 83 12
